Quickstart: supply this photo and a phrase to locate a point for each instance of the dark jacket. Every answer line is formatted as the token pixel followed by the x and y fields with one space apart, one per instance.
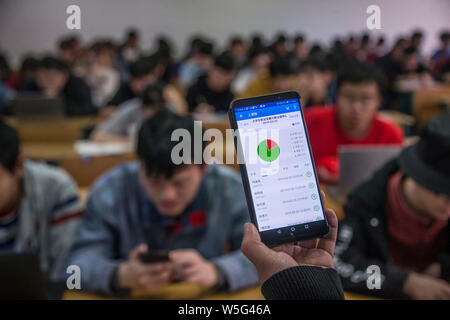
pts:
pixel 76 95
pixel 304 283
pixel 363 240
pixel 201 93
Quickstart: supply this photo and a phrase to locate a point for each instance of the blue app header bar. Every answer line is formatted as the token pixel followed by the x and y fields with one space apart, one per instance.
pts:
pixel 266 109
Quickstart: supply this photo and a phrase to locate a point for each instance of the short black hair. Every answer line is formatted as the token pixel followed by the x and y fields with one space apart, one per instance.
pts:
pixel 29 63
pixel 67 42
pixel 444 36
pixel 143 66
pixel 205 47
pixel 280 66
pixel 314 63
pixel 409 51
pixel 236 40
pixel 132 33
pixel 300 37
pixel 154 147
pixel 255 51
pixel 357 73
pixel 152 96
pixel 417 34
pixel 49 62
pixel 225 62
pixel 9 146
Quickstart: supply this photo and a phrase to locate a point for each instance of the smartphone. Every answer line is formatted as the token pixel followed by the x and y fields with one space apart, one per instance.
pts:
pixel 155 256
pixel 277 168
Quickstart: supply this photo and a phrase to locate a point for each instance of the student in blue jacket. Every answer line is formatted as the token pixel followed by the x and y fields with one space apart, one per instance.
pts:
pixel 194 211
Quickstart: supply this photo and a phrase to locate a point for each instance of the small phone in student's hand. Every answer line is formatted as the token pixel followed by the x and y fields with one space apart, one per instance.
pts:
pixel 155 256
pixel 277 168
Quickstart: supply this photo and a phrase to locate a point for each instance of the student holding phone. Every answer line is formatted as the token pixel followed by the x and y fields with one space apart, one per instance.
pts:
pixel 194 211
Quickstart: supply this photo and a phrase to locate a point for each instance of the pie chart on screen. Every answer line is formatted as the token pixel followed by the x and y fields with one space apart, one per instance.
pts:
pixel 268 150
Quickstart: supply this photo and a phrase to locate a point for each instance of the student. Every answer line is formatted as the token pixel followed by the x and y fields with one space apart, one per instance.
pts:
pixel 300 50
pixel 211 92
pixel 258 61
pixel 54 79
pixel 39 207
pixel 301 271
pixel 142 73
pixel 399 222
pixel 441 56
pixel 314 78
pixel 100 74
pixel 278 78
pixel 192 210
pixel 238 51
pixel 198 63
pixel 412 74
pixel 26 73
pixel 353 121
pixel 70 50
pixel 280 46
pixel 122 126
pixel 130 48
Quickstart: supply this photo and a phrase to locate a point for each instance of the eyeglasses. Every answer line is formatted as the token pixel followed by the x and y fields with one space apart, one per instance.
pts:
pixel 352 98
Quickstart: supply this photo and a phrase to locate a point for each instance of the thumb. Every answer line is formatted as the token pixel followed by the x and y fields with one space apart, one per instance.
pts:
pixel 252 246
pixel 134 254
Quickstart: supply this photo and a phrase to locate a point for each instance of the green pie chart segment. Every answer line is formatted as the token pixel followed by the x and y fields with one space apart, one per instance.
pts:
pixel 268 150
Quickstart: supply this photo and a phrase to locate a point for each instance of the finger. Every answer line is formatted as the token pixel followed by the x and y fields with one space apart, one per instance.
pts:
pixel 324 197
pixel 446 291
pixel 328 242
pixel 196 278
pixel 252 246
pixel 157 268
pixel 308 244
pixel 189 271
pixel 134 254
pixel 183 256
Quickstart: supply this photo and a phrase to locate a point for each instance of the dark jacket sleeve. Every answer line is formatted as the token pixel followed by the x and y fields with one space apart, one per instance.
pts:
pixel 191 98
pixel 78 97
pixel 353 256
pixel 304 283
pixel 444 260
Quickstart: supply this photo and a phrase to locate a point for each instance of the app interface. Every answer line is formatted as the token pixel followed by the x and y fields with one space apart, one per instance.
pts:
pixel 279 165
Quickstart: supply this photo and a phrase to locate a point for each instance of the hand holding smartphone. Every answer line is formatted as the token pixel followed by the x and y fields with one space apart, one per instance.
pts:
pixel 277 168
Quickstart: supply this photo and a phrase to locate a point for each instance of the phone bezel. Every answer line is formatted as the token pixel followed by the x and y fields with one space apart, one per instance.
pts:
pixel 154 257
pixel 273 237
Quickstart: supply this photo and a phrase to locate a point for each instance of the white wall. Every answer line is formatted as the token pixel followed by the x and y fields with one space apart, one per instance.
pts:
pixel 34 25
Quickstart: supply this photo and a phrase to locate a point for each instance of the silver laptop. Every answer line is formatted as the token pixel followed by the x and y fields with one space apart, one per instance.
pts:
pixel 358 164
pixel 32 107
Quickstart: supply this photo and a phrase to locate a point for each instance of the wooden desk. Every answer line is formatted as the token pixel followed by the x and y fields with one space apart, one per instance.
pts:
pixel 68 130
pixel 430 102
pixel 183 291
pixel 43 151
pixel 179 291
pixel 86 170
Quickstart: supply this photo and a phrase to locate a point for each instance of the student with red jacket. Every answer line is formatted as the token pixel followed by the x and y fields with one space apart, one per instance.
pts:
pixel 353 121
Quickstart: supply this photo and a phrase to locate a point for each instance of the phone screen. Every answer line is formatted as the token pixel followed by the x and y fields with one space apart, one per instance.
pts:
pixel 279 165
